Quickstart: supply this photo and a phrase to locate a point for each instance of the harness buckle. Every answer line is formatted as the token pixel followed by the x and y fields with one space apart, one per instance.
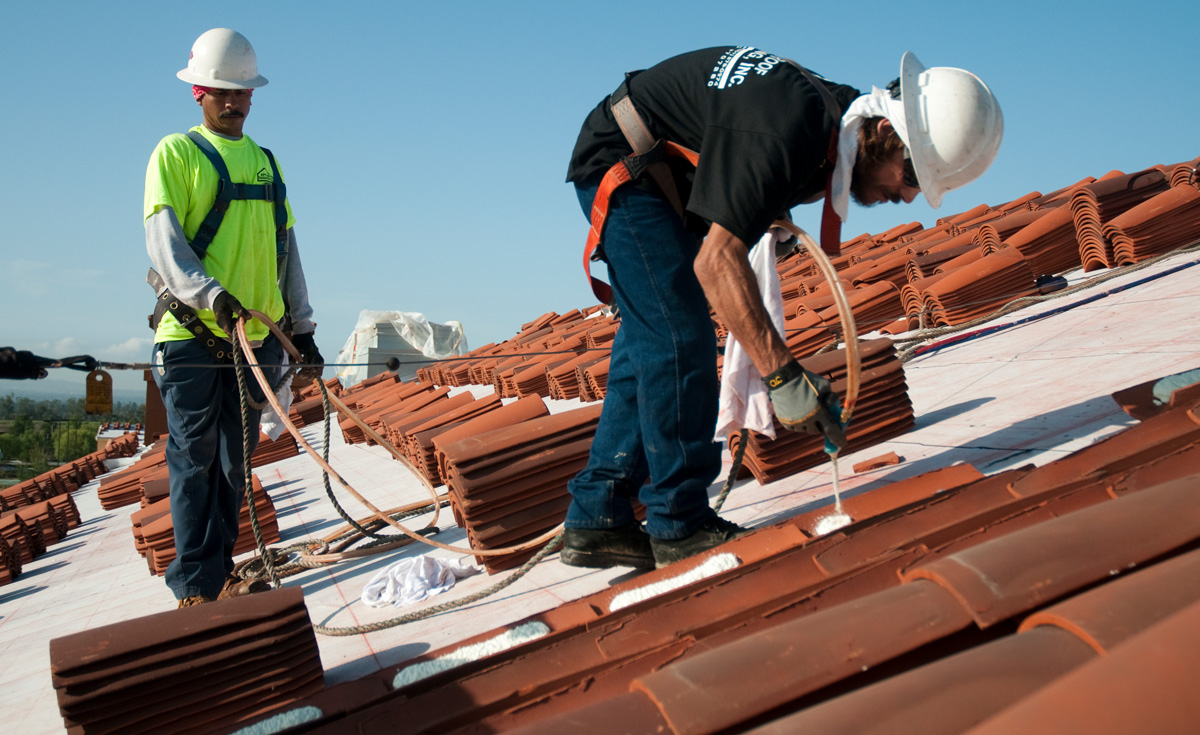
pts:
pixel 638 164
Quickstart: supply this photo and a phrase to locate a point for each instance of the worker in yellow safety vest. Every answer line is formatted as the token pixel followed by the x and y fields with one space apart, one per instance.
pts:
pixel 220 238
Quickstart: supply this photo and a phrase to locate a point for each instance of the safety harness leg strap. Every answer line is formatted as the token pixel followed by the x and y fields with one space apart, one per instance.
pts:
pixel 616 177
pixel 649 156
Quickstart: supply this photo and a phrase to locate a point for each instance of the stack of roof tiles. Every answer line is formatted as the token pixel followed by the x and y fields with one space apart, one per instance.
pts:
pixel 509 485
pixel 375 403
pixel 1049 244
pixel 25 539
pixel 38 512
pixel 53 519
pixel 10 561
pixel 400 423
pixel 563 381
pixel 1061 598
pixel 193 670
pixel 981 287
pixel 524 409
pixel 64 479
pixel 154 530
pixel 419 440
pixel 1054 233
pixel 883 411
pixel 308 405
pixel 1094 204
pixel 1165 222
pixel 507 473
pixel 124 487
pixel 269 451
pixel 537 361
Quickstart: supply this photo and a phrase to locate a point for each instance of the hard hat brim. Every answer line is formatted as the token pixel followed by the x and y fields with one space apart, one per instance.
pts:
pixel 190 77
pixel 911 70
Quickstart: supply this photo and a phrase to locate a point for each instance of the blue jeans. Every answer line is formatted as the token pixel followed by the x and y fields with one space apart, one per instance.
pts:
pixel 660 408
pixel 205 460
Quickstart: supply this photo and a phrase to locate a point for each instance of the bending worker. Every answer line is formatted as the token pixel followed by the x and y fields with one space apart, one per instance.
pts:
pixel 219 234
pixel 769 135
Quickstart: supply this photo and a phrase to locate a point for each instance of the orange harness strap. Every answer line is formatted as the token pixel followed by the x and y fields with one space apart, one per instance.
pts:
pixel 647 158
pixel 831 223
pixel 615 178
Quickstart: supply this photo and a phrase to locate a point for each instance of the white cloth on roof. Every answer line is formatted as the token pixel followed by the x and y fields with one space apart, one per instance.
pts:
pixel 412 580
pixel 744 401
pixel 878 103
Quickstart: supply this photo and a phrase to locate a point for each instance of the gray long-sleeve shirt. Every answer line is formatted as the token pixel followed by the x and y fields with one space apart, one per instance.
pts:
pixel 184 275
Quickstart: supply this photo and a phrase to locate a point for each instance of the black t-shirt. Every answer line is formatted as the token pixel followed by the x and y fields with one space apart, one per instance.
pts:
pixel 761 129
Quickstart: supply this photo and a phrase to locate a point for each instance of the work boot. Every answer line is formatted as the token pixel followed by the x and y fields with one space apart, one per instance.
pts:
pixel 235 586
pixel 710 535
pixel 193 600
pixel 623 546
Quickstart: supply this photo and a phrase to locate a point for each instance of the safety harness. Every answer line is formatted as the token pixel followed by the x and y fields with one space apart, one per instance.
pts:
pixel 227 192
pixel 650 157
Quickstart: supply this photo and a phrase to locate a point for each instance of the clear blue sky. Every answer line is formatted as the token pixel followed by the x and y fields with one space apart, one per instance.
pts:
pixel 425 144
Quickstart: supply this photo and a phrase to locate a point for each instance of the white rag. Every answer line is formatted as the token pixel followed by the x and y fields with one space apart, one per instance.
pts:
pixel 877 104
pixel 744 399
pixel 412 580
pixel 269 423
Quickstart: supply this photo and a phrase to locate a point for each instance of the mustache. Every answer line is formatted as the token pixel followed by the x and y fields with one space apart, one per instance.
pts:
pixel 232 113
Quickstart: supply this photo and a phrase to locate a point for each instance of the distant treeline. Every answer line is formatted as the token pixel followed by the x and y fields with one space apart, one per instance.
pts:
pixel 72 408
pixel 38 435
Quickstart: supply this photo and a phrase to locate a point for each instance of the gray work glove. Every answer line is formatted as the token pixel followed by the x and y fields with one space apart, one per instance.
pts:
pixel 805 402
pixel 310 356
pixel 227 309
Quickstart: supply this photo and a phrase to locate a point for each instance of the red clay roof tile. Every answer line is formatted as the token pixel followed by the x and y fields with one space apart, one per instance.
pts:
pixel 728 685
pixel 1109 615
pixel 945 697
pixel 1143 685
pixel 999 579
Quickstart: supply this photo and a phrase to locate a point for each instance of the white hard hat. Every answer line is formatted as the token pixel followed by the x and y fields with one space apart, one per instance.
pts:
pixel 223 59
pixel 954 125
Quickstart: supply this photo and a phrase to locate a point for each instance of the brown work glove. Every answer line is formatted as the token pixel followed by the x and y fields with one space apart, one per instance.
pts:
pixel 227 309
pixel 310 356
pixel 805 402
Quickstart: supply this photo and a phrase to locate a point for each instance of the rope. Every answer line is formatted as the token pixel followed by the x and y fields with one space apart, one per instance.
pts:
pixel 325 475
pixel 308 559
pixel 244 397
